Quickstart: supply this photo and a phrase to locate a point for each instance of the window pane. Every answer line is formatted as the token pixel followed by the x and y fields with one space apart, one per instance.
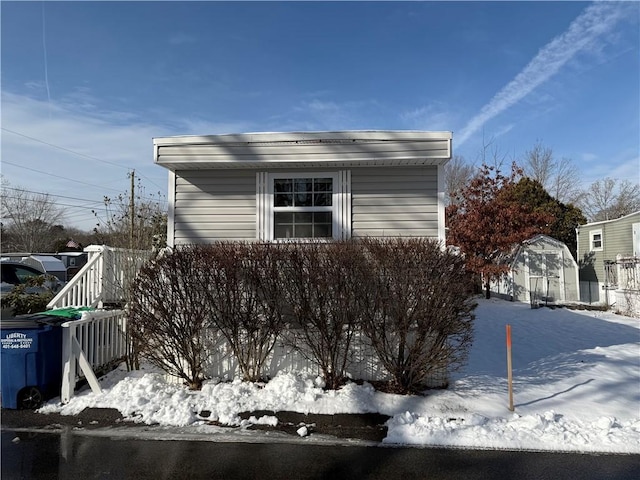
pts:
pixel 322 230
pixel 283 185
pixel 303 217
pixel 303 200
pixel 322 217
pixel 303 230
pixel 323 185
pixel 283 217
pixel 283 231
pixel 283 200
pixel 322 199
pixel 303 185
pixel 283 227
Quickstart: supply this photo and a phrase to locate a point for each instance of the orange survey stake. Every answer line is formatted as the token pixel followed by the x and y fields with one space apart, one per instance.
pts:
pixel 509 368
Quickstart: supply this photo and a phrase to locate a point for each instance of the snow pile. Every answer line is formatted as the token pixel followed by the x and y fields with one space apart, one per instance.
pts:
pixel 576 388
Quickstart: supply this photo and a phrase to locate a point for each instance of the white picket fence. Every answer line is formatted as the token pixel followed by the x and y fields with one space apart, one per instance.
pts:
pixel 95 342
pixel 362 362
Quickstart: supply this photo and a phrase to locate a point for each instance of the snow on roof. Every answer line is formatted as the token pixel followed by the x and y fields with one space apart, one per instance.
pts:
pixel 50 263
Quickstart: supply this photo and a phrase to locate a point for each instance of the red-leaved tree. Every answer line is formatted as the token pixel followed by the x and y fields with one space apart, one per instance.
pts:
pixel 486 223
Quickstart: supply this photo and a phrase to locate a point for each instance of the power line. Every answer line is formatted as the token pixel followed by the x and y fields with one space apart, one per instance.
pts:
pixel 76 153
pixel 65 149
pixel 57 204
pixel 50 194
pixel 94 206
pixel 58 176
pixel 151 199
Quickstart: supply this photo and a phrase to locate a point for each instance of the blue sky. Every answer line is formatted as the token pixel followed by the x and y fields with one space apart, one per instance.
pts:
pixel 87 85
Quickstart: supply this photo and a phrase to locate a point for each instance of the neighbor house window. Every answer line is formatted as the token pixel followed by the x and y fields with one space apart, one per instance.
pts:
pixel 596 239
pixel 303 205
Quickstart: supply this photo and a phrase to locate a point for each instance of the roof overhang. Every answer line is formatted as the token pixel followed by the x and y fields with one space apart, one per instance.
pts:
pixel 303 149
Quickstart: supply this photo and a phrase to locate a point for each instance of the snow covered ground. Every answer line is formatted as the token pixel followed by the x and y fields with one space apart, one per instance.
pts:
pixel 576 377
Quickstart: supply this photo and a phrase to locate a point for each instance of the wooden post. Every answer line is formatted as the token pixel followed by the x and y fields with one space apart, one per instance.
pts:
pixel 509 371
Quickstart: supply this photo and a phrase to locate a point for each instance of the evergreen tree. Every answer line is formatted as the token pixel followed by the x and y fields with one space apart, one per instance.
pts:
pixel 563 218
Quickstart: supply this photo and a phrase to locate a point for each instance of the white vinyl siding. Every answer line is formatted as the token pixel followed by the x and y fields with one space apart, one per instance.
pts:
pixel 336 150
pixel 392 202
pixel 218 188
pixel 214 205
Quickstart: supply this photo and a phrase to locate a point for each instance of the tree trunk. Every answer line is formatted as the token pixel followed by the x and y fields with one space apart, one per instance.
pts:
pixel 487 291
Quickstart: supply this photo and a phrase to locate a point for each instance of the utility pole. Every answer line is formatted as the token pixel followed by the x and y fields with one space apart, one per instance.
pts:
pixel 132 209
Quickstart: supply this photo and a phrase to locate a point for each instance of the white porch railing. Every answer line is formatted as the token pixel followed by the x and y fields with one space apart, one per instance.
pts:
pixel 627 292
pixel 95 342
pixel 103 279
pixel 628 272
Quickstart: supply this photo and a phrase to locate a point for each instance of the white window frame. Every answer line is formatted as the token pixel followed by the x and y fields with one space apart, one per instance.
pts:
pixel 340 204
pixel 592 235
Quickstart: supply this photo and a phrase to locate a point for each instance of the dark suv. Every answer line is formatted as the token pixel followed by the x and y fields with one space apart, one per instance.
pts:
pixel 16 273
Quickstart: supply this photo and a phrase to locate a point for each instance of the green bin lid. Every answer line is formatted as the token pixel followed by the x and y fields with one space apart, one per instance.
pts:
pixel 72 313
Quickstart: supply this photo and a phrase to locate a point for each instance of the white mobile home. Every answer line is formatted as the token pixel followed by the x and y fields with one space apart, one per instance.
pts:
pixel 274 186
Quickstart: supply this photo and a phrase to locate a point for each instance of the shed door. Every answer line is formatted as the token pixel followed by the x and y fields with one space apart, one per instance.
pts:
pixel 636 239
pixel 545 277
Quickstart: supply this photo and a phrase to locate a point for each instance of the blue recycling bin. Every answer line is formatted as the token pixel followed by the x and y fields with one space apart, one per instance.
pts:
pixel 31 361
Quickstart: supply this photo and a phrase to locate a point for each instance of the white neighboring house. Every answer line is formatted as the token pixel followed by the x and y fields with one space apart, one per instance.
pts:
pixel 278 186
pixel 541 271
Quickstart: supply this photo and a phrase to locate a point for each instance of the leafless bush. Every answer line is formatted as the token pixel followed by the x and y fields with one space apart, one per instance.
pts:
pixel 409 297
pixel 169 313
pixel 242 289
pixel 418 310
pixel 321 283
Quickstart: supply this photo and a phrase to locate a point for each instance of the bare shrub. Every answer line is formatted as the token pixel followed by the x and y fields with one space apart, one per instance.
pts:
pixel 321 283
pixel 169 314
pixel 419 313
pixel 242 289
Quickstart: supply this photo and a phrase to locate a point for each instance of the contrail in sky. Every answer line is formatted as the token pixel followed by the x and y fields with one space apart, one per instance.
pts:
pixel 596 20
pixel 46 68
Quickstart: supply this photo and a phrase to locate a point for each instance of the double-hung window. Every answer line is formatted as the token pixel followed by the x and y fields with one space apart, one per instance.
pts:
pixel 596 240
pixel 303 207
pixel 310 205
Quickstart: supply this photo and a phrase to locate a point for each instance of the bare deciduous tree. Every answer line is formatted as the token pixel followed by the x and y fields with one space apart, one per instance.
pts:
pixel 565 184
pixel 561 178
pixel 608 199
pixel 457 175
pixel 134 223
pixel 28 219
pixel 539 164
